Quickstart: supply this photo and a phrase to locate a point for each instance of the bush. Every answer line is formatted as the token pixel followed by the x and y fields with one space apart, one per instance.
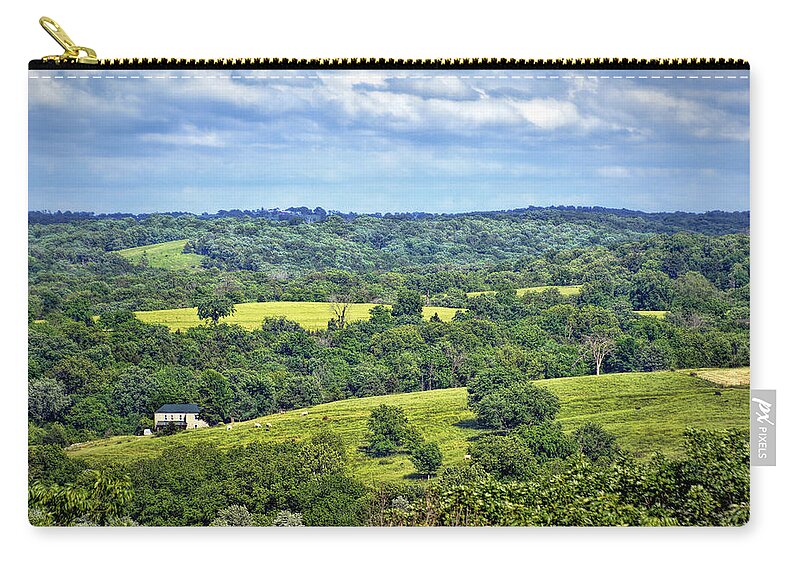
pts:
pixel 389 430
pixel 288 518
pixel 504 457
pixel 169 429
pixel 546 441
pixel 233 515
pixel 518 404
pixel 595 442
pixel 427 458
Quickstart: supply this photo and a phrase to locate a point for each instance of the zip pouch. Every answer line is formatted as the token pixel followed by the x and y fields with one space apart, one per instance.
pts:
pixel 394 293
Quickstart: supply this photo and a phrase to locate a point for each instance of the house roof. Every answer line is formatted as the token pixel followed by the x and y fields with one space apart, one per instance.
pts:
pixel 178 409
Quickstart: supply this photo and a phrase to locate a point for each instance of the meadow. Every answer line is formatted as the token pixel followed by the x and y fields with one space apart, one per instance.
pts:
pixel 647 411
pixel 566 290
pixel 654 314
pixel 310 315
pixel 165 255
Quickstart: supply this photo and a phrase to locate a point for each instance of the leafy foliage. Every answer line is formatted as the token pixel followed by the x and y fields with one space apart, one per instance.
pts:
pixel 595 442
pixel 97 498
pixel 624 492
pixel 233 515
pixel 215 308
pixel 515 405
pixel 390 431
pixel 427 458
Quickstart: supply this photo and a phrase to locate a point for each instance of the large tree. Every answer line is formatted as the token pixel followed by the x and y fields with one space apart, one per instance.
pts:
pixel 215 308
pixel 408 304
pixel 390 430
pixel 600 345
pixel 518 404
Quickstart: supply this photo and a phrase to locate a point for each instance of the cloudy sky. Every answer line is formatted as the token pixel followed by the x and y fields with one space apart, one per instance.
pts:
pixel 387 141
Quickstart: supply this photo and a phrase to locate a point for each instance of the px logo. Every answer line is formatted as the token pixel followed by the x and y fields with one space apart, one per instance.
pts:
pixel 762 427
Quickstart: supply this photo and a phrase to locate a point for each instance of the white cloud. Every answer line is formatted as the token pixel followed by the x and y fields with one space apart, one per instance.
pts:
pixel 190 135
pixel 549 113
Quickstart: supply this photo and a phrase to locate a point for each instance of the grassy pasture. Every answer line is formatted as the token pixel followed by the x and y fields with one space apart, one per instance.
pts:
pixel 647 411
pixel 723 376
pixel 656 314
pixel 566 290
pixel 167 255
pixel 310 315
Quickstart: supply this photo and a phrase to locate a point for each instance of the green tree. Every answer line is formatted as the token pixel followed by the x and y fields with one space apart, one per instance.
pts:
pixel 595 442
pixel 546 440
pixel 408 304
pixel 519 404
pixel 215 308
pixel 47 399
pixel 651 291
pixel 504 457
pixel 390 430
pixel 427 458
pixel 488 380
pixel 216 397
pixel 79 309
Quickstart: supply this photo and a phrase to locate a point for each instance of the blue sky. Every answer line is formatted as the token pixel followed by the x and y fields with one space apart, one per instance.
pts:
pixel 387 141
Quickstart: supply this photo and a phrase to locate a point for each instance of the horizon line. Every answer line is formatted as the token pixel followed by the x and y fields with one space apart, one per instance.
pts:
pixel 378 213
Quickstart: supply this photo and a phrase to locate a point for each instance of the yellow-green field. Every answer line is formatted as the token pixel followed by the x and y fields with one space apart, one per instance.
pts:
pixel 723 376
pixel 566 290
pixel 656 314
pixel 167 255
pixel 310 315
pixel 648 412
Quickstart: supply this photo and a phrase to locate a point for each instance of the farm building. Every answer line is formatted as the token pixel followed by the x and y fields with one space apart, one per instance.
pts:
pixel 184 416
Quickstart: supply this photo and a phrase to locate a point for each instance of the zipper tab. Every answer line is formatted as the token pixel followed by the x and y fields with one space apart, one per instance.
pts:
pixel 72 52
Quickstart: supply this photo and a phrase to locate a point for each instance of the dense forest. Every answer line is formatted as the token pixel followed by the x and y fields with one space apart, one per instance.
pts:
pixel 96 371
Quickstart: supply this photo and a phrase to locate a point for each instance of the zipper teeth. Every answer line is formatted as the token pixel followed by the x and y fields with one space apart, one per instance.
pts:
pixel 390 63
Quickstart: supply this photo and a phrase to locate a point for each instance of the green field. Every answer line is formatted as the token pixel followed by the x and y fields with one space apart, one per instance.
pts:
pixel 310 315
pixel 566 290
pixel 656 314
pixel 647 411
pixel 167 255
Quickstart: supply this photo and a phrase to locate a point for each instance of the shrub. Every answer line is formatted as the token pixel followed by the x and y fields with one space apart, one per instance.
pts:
pixel 427 458
pixel 288 518
pixel 518 404
pixel 504 457
pixel 389 430
pixel 546 440
pixel 233 515
pixel 595 442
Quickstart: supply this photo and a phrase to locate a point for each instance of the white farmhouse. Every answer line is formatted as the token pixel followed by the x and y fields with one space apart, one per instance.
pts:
pixel 184 416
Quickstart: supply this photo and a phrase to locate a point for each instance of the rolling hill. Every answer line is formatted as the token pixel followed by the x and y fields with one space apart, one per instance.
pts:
pixel 646 411
pixel 167 255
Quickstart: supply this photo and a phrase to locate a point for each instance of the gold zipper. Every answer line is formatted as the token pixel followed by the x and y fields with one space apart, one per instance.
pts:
pixel 79 57
pixel 72 53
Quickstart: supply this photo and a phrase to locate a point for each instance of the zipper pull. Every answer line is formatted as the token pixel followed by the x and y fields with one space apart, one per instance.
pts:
pixel 72 52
